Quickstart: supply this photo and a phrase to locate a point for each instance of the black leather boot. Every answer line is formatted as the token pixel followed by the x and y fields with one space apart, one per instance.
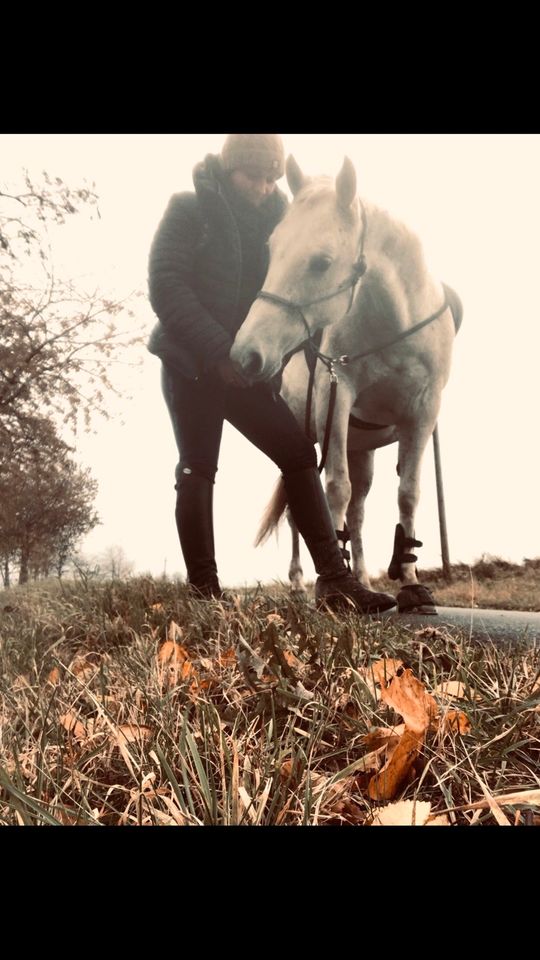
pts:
pixel 335 587
pixel 194 522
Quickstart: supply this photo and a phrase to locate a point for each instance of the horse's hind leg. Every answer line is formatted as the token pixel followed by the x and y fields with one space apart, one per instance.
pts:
pixel 413 596
pixel 296 575
pixel 361 464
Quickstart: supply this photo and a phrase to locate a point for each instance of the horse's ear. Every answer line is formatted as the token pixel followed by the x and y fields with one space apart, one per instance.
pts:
pixel 295 177
pixel 346 184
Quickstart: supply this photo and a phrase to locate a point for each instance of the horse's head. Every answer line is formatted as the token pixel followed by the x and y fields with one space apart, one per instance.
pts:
pixel 314 266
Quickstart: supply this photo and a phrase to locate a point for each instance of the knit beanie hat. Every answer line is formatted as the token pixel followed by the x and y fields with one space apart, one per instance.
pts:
pixel 262 151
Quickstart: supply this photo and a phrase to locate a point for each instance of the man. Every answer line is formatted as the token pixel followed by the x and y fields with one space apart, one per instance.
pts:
pixel 207 263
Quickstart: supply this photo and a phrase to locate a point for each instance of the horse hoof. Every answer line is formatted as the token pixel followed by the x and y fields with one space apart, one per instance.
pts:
pixel 415 598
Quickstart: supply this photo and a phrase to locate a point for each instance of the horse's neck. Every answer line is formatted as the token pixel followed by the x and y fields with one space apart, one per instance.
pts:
pixel 398 291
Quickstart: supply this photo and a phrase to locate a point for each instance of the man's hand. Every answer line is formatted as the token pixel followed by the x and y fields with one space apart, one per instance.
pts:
pixel 230 375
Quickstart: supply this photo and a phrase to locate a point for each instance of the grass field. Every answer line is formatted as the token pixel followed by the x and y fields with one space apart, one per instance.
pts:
pixel 128 702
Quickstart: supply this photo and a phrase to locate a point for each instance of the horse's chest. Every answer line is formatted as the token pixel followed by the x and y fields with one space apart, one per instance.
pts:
pixel 393 395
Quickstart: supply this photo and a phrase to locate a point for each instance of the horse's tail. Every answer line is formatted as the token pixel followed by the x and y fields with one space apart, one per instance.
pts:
pixel 273 513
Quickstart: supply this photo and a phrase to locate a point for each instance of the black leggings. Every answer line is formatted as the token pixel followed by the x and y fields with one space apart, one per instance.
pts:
pixel 199 407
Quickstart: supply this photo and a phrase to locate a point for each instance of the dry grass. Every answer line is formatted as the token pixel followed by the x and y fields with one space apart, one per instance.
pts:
pixel 130 703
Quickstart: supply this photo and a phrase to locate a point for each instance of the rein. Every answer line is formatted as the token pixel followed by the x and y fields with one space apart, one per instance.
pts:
pixel 330 363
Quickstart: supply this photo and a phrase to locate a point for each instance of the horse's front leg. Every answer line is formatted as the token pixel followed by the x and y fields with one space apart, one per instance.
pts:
pixel 361 464
pixel 413 596
pixel 338 484
pixel 296 574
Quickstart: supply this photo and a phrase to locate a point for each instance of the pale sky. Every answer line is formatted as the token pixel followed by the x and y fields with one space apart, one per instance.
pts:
pixel 474 200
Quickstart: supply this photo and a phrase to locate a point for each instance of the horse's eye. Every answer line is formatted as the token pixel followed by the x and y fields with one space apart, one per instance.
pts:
pixel 320 263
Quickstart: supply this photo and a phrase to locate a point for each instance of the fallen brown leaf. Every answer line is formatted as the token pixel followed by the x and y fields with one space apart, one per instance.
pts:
pixel 457 722
pixel 286 769
pixel 54 676
pixel 380 736
pixel 133 732
pixel 348 810
pixel 405 813
pixel 227 658
pixel 455 690
pixel 385 669
pixel 385 784
pixel 174 664
pixel 441 820
pixel 408 696
pixel 172 650
pixel 70 721
pixel 293 662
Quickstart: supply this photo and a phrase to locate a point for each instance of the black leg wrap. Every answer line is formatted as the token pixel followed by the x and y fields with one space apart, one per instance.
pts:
pixel 416 598
pixel 343 538
pixel 401 544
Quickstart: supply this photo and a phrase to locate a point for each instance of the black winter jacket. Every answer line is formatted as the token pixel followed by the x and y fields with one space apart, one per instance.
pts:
pixel 207 261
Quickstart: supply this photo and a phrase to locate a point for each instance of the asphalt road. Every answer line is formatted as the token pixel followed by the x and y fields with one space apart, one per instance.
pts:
pixel 494 625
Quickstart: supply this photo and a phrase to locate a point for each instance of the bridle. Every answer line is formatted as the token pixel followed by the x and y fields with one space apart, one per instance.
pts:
pixel 358 270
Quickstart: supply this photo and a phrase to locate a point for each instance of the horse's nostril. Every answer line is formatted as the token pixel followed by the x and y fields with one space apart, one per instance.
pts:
pixel 254 364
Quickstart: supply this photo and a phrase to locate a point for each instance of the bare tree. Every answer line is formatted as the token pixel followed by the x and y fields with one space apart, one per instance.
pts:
pixel 114 563
pixel 56 340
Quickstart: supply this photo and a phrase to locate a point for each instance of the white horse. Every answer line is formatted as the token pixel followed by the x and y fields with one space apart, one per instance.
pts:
pixel 350 284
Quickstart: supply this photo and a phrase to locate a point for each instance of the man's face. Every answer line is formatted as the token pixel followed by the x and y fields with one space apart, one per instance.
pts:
pixel 253 185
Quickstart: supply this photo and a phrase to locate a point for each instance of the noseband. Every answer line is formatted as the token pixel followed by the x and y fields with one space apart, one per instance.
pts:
pixel 359 268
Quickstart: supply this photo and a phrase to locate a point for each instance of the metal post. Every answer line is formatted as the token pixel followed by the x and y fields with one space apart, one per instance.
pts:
pixel 445 553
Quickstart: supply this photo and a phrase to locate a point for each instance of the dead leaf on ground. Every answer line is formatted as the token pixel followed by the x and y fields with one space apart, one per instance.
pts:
pixel 133 732
pixel 456 690
pixel 172 650
pixel 408 696
pixel 227 658
pixel 441 820
pixel 70 721
pixel 375 759
pixel 54 676
pixel 255 669
pixel 384 669
pixel 385 784
pixel 347 810
pixel 174 664
pixel 293 662
pixel 405 813
pixel 286 769
pixel 69 817
pixel 457 722
pixel 380 736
